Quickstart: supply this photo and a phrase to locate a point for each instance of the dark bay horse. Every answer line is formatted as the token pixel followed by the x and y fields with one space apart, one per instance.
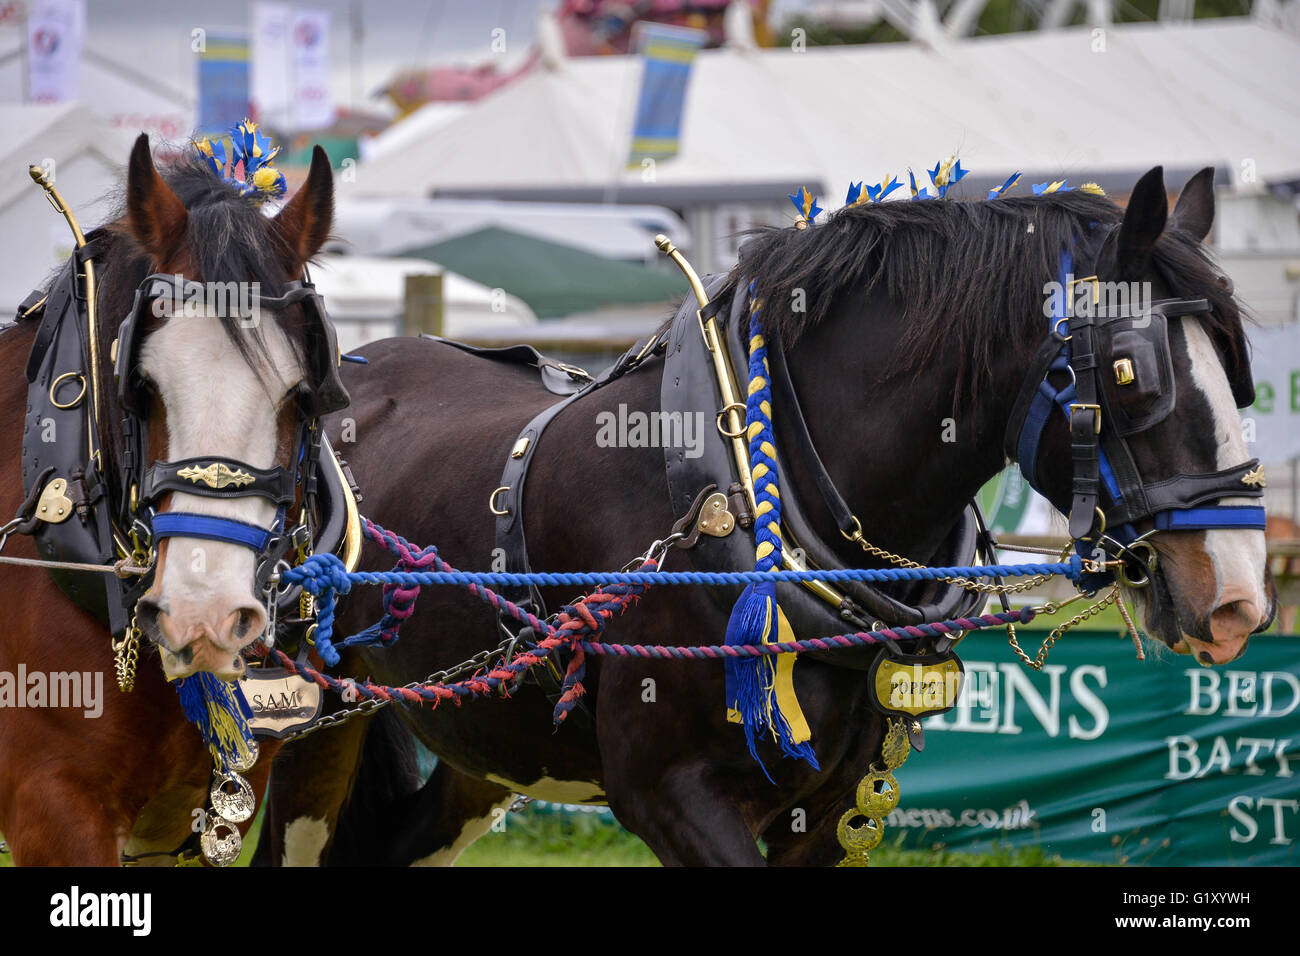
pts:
pixel 910 328
pixel 80 788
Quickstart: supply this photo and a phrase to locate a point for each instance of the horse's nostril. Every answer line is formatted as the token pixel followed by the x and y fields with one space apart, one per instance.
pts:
pixel 1205 658
pixel 146 618
pixel 245 623
pixel 248 624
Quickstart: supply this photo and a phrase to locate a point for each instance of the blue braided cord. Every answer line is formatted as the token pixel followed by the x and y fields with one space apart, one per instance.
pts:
pixel 758 426
pixel 317 581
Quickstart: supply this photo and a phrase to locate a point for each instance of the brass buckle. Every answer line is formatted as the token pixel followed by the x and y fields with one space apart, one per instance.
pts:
pixel 1096 409
pixel 1096 287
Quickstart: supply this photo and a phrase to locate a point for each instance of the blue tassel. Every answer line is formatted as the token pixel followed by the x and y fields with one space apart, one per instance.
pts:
pixel 220 712
pixel 751 681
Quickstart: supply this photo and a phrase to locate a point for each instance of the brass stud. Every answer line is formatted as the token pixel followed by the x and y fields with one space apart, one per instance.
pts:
pixel 1124 371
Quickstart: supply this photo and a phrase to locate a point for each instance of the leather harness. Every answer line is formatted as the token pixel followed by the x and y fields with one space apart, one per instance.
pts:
pixel 688 387
pixel 97 530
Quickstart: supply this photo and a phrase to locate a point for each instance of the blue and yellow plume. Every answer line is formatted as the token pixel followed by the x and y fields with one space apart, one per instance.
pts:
pixel 252 161
pixel 760 690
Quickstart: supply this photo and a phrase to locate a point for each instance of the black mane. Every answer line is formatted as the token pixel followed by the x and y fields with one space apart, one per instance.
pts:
pixel 967 274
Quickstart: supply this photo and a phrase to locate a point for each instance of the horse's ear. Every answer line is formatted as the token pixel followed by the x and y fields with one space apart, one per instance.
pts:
pixel 1194 211
pixel 1144 220
pixel 155 215
pixel 305 220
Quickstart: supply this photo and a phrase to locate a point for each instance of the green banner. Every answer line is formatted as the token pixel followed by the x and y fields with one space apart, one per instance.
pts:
pixel 1104 758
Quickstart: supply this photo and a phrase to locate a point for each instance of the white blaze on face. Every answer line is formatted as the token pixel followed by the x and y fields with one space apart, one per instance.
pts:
pixel 218 408
pixel 1238 555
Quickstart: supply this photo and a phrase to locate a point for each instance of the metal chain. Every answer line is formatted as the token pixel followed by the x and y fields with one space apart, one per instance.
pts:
pixel 657 550
pixel 126 654
pixel 372 704
pixel 1059 631
pixel 979 587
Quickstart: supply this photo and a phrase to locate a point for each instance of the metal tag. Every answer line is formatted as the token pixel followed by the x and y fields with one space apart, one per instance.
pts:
pixel 220 849
pixel 54 506
pixel 715 519
pixel 232 798
pixel 915 684
pixel 281 702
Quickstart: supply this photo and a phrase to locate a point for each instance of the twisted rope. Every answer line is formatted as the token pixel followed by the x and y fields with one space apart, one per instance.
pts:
pixel 597 609
pixel 579 626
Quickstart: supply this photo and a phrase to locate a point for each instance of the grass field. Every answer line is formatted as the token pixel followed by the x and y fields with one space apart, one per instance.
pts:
pixel 549 839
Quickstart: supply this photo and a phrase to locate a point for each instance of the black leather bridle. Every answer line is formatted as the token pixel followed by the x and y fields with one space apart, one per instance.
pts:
pixel 1109 493
pixel 219 476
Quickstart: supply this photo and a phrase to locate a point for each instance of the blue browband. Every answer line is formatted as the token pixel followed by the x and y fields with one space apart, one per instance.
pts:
pixel 173 524
pixel 1198 518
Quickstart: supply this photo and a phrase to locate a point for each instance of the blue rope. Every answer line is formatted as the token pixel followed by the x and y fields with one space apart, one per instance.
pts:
pixel 325 572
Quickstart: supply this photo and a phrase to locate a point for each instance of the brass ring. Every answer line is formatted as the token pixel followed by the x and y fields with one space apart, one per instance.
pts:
pixel 1057 324
pixel 721 414
pixel 1150 563
pixel 492 502
pixel 54 387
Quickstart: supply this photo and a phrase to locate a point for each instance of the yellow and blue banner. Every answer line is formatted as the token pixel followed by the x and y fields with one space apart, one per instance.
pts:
pixel 668 54
pixel 223 83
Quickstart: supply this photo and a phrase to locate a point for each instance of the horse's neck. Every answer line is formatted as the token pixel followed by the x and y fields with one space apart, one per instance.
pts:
pixel 902 459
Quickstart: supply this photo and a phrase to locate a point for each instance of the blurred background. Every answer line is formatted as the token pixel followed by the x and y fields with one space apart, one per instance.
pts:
pixel 502 166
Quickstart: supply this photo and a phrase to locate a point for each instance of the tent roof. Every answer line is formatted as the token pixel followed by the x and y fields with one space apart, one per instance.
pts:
pixel 1186 95
pixel 555 280
pixel 59 132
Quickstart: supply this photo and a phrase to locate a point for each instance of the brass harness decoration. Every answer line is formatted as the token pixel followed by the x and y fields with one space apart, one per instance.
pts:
pixel 876 797
pixel 216 475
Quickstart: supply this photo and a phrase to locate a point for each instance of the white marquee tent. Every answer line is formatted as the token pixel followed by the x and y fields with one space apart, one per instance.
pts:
pixel 86 157
pixel 1057 103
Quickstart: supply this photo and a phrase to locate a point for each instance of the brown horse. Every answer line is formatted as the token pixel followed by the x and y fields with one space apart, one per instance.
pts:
pixel 911 329
pixel 84 788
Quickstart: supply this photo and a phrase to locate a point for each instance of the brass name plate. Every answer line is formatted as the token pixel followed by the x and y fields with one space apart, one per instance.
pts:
pixel 281 702
pixel 917 685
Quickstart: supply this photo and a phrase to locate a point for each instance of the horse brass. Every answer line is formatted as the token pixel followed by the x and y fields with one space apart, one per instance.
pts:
pixel 715 520
pixel 54 506
pixel 232 798
pixel 220 850
pixel 216 475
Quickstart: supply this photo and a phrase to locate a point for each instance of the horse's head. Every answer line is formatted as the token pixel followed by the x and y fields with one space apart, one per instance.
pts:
pixel 1171 385
pixel 223 384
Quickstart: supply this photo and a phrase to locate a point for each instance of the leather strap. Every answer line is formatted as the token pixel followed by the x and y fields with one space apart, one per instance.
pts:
pixel 1085 428
pixel 274 484
pixel 173 524
pixel 557 377
pixel 510 532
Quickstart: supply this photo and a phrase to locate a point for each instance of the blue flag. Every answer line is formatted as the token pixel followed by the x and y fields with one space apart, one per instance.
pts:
pixel 668 53
pixel 223 83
